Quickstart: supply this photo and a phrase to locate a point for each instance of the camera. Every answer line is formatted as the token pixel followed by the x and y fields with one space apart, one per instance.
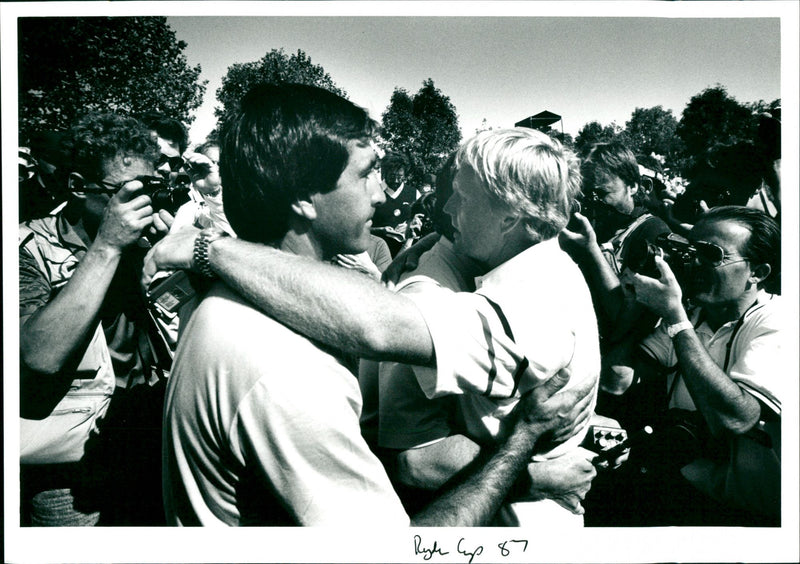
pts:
pixel 676 251
pixel 164 196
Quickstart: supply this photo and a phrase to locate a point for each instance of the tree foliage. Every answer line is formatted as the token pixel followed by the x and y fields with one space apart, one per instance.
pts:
pixel 273 68
pixel 130 65
pixel 652 130
pixel 423 127
pixel 714 117
pixel 593 132
pixel 564 138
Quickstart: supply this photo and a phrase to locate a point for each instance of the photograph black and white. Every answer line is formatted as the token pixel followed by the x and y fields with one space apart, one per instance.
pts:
pixel 401 281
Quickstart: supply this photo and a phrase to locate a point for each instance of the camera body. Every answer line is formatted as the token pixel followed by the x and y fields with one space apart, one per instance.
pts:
pixel 164 196
pixel 676 251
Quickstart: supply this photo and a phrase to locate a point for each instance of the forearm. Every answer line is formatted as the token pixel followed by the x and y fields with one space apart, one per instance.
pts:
pixel 52 336
pixel 430 467
pixel 724 405
pixel 339 308
pixel 475 500
pixel 604 282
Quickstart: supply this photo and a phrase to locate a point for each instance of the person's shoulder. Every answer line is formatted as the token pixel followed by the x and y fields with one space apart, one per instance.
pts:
pixel 769 311
pixel 649 228
pixel 42 228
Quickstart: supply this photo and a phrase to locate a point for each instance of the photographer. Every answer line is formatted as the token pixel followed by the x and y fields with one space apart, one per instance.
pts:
pixel 205 206
pixel 84 340
pixel 725 352
pixel 614 199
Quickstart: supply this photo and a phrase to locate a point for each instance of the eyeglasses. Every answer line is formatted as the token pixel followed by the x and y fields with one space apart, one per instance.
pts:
pixel 380 153
pixel 714 255
pixel 175 163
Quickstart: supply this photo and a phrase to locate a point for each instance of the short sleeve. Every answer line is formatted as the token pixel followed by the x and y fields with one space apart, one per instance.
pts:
pixel 475 351
pixel 407 418
pixel 34 287
pixel 758 366
pixel 659 346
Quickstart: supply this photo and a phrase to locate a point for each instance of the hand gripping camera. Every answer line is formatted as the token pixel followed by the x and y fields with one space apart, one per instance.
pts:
pixel 164 196
pixel 676 251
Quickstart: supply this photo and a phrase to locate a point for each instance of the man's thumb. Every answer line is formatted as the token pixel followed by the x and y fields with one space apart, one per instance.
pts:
pixel 558 381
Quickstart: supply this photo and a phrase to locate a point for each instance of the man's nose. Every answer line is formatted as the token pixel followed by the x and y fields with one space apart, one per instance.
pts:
pixel 378 195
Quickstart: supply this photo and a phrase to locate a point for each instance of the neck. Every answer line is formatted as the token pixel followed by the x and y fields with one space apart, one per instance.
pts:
pixel 512 246
pixel 719 314
pixel 300 242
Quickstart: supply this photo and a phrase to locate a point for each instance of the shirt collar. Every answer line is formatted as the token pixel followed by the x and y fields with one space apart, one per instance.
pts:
pixel 519 264
pixel 394 193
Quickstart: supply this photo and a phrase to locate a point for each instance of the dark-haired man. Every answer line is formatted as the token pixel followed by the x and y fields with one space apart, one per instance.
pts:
pixel 724 361
pixel 262 423
pixel 173 140
pixel 84 338
pixel 392 216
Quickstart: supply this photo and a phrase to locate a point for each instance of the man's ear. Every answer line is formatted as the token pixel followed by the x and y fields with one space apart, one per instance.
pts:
pixel 760 272
pixel 634 188
pixel 75 182
pixel 304 207
pixel 510 221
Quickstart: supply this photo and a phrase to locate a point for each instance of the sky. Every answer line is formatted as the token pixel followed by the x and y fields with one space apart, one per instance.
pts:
pixel 503 69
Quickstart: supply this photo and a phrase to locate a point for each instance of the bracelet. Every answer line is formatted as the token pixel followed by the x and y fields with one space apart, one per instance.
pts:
pixel 676 328
pixel 200 251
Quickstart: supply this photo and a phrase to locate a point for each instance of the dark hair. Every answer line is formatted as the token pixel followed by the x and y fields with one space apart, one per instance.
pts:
pixel 286 141
pixel 394 161
pixel 49 146
pixel 98 138
pixel 168 128
pixel 612 158
pixel 764 244
pixel 443 190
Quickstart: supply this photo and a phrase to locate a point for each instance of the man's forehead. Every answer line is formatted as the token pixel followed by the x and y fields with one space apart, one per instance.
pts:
pixel 363 149
pixel 168 147
pixel 729 232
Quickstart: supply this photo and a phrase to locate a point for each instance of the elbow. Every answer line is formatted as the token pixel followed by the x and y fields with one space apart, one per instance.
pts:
pixel 34 360
pixel 378 339
pixel 37 355
pixel 742 425
pixel 739 423
pixel 410 472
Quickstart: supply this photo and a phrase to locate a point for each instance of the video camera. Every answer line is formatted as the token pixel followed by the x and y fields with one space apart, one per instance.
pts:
pixel 676 251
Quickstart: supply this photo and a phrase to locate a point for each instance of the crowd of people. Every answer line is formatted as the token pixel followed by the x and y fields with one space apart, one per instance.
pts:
pixel 277 327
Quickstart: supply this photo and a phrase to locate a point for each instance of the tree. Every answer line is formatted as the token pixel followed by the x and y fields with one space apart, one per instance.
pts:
pixel 400 129
pixel 273 68
pixel 652 130
pixel 593 132
pixel 714 117
pixel 72 66
pixel 564 138
pixel 423 127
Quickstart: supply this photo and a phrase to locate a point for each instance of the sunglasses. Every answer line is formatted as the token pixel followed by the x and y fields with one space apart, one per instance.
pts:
pixel 714 255
pixel 175 163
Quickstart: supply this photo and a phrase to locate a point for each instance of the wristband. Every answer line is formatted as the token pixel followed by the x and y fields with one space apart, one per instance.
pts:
pixel 200 251
pixel 676 328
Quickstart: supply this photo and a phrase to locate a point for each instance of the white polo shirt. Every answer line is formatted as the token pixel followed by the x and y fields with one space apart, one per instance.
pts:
pixel 529 318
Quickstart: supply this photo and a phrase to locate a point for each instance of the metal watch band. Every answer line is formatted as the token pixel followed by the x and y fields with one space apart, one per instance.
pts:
pixel 676 328
pixel 200 251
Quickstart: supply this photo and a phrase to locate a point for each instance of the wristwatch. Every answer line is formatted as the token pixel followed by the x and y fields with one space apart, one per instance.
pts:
pixel 200 251
pixel 676 328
